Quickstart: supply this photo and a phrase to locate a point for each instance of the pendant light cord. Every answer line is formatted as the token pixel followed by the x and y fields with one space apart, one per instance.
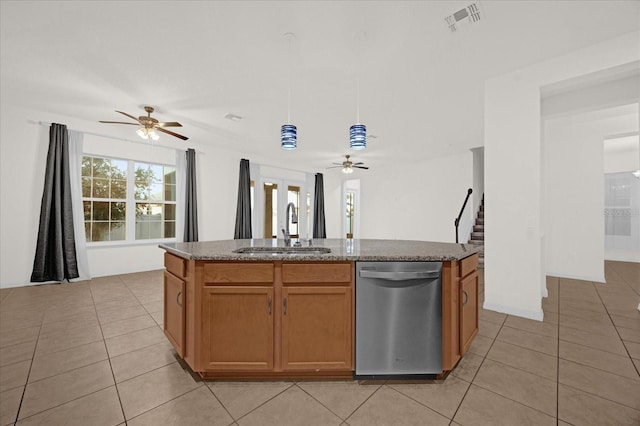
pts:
pixel 290 78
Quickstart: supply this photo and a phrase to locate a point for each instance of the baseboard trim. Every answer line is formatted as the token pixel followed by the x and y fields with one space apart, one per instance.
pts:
pixel 525 313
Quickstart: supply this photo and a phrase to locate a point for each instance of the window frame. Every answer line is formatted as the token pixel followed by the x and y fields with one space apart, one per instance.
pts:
pixel 130 204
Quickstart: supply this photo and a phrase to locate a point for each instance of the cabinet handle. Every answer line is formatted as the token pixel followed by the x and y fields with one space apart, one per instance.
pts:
pixel 269 305
pixel 284 305
pixel 466 297
pixel 178 298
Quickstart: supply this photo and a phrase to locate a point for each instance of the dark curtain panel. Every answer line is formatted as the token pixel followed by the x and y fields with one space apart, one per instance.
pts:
pixel 191 202
pixel 319 229
pixel 55 258
pixel 243 212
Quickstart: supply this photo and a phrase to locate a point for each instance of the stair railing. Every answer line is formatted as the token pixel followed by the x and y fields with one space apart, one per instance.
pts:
pixel 457 221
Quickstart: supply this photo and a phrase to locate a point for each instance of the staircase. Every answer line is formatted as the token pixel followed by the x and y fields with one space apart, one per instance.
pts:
pixel 477 236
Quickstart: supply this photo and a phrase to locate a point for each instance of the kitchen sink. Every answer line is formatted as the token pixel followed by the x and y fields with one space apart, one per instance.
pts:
pixel 284 250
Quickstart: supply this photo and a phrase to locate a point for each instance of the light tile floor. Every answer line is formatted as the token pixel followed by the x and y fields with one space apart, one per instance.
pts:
pixel 93 353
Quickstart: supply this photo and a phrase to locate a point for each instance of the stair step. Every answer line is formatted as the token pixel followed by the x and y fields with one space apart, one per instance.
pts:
pixel 477 236
pixel 478 228
pixel 476 242
pixel 480 215
pixel 480 221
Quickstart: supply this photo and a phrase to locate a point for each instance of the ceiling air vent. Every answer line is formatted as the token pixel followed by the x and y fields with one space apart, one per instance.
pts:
pixel 468 15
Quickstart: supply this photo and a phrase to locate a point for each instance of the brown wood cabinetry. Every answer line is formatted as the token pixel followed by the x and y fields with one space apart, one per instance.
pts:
pixel 237 329
pixel 289 319
pixel 459 308
pixel 317 316
pixel 174 302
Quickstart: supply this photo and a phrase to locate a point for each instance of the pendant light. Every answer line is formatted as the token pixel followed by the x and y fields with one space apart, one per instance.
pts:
pixel 358 132
pixel 289 132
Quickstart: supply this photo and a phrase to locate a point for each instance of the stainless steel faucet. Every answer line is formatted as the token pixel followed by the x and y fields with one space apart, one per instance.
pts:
pixel 294 219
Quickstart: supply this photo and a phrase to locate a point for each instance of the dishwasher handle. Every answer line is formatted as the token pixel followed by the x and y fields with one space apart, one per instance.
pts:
pixel 398 275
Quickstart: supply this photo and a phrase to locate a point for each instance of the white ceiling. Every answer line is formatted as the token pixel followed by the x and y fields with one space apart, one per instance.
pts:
pixel 421 86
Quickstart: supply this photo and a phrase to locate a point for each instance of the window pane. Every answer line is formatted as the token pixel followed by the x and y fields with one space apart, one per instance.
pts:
pixel 118 188
pixel 142 230
pixel 156 173
pixel 101 167
pixel 155 229
pixel 169 192
pixel 169 229
pixel 100 231
pixel 100 210
pixel 155 192
pixel 86 187
pixel 170 175
pixel 169 212
pixel 118 169
pixel 142 209
pixel 118 231
pixel 156 211
pixel 118 211
pixel 87 209
pixel 100 188
pixel 86 166
pixel 87 231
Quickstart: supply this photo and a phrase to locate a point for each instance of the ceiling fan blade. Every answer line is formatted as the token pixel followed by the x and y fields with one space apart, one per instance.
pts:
pixel 334 167
pixel 168 124
pixel 119 122
pixel 129 115
pixel 361 167
pixel 169 132
pixel 337 164
pixel 359 163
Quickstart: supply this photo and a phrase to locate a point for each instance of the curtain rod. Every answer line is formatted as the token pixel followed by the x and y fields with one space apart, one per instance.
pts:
pixel 46 123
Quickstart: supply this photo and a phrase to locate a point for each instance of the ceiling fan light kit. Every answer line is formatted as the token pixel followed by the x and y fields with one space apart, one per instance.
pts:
pixel 149 126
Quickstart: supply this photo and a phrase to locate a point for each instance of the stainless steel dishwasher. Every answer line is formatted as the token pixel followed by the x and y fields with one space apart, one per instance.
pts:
pixel 398 319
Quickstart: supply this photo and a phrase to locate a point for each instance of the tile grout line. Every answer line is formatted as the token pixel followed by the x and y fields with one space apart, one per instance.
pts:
pixel 113 376
pixel 220 402
pixel 616 327
pixel 481 363
pixel 264 402
pixel 33 356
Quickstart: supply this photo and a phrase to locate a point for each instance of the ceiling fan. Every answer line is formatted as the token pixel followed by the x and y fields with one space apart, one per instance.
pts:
pixel 348 165
pixel 149 125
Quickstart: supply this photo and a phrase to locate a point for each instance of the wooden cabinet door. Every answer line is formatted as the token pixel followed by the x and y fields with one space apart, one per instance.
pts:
pixel 237 329
pixel 317 328
pixel 468 310
pixel 174 311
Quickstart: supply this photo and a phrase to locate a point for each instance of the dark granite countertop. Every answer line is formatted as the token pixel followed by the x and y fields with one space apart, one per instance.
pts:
pixel 341 249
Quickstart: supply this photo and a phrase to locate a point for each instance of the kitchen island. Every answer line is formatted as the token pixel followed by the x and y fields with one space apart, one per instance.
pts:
pixel 258 309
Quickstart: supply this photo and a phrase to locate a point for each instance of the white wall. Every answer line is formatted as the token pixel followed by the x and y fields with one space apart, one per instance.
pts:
pixel 417 201
pixel 573 163
pixel 23 152
pixel 514 249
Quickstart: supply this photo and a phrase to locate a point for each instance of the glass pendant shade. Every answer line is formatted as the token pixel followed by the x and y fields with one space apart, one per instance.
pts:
pixel 289 136
pixel 358 136
pixel 347 170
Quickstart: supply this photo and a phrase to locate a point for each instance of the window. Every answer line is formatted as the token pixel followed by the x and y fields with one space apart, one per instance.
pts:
pixel 126 200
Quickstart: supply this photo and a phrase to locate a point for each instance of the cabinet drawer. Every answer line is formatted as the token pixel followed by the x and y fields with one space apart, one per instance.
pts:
pixel 238 273
pixel 468 265
pixel 176 265
pixel 316 273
